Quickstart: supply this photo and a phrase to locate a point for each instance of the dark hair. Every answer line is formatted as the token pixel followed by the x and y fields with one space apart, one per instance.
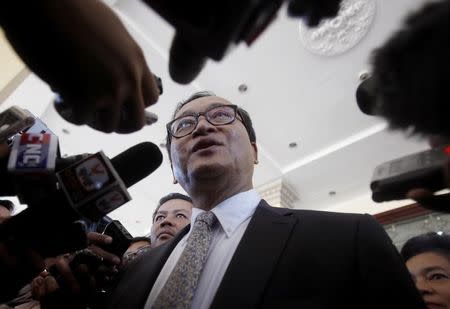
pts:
pixel 429 242
pixel 246 120
pixel 140 238
pixel 168 197
pixel 410 73
pixel 7 204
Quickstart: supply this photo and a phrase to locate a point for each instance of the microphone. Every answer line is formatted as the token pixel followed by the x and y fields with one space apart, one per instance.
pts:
pixel 96 186
pixel 32 164
pixel 14 120
pixel 89 188
pixel 409 81
pixel 366 97
pixel 209 30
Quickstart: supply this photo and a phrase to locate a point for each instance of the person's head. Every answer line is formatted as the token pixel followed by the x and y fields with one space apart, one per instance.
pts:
pixel 212 147
pixel 6 209
pixel 171 215
pixel 427 258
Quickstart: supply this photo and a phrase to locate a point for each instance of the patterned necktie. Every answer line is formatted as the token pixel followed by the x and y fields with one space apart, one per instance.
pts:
pixel 179 289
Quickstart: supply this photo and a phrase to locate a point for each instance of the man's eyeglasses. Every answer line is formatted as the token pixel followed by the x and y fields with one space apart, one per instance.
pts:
pixel 216 115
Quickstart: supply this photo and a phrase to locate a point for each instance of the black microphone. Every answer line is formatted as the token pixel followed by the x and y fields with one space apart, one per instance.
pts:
pixel 366 97
pixel 409 81
pixel 129 164
pixel 95 186
pixel 47 226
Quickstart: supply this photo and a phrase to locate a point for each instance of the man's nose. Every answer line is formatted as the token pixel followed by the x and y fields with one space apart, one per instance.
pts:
pixel 203 126
pixel 166 221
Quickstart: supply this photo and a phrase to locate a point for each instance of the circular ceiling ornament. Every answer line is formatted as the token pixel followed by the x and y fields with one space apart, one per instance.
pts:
pixel 337 35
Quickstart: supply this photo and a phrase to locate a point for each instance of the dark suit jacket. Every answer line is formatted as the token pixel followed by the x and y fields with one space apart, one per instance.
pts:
pixel 294 259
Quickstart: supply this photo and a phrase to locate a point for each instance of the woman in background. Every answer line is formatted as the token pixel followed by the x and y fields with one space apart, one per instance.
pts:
pixel 427 258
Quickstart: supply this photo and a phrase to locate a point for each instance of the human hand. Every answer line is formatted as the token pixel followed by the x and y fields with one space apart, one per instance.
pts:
pixel 432 201
pixel 83 51
pixel 18 266
pixel 75 278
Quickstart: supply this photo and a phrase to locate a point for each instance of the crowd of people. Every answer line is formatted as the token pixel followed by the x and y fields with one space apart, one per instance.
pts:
pixel 219 246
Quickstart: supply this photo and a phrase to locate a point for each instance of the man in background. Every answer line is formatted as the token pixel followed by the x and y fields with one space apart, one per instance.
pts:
pixel 171 215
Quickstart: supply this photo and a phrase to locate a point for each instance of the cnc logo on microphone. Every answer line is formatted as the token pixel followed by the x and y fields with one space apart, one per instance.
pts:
pixel 92 174
pixel 33 152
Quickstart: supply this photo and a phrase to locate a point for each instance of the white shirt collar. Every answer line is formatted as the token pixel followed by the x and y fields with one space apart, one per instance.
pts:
pixel 233 211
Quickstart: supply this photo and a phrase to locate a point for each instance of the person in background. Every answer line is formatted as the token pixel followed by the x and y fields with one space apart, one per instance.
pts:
pixel 427 258
pixel 171 215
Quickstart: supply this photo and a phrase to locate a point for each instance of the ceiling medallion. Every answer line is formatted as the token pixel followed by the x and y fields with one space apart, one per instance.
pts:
pixel 337 35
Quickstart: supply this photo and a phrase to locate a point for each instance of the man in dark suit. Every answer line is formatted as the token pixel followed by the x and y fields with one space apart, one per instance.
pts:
pixel 258 256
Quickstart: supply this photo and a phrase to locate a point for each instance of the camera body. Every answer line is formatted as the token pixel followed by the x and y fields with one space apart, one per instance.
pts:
pixel 393 179
pixel 121 238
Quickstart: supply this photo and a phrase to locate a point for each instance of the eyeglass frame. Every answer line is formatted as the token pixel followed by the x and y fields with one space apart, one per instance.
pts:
pixel 197 116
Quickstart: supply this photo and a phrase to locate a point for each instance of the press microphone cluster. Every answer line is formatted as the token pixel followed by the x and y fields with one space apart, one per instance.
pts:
pixel 60 191
pixel 210 29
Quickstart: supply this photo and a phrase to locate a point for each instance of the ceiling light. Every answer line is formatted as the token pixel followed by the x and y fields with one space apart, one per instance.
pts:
pixel 243 88
pixel 293 145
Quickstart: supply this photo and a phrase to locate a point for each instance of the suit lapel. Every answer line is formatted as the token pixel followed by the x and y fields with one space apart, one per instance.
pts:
pixel 141 274
pixel 255 258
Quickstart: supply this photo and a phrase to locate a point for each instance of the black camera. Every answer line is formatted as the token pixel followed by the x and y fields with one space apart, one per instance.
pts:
pixel 121 238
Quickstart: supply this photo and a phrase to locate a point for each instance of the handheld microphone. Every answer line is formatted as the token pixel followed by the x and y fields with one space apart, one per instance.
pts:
pixel 32 164
pixel 96 186
pixel 100 187
pixel 206 29
pixel 14 120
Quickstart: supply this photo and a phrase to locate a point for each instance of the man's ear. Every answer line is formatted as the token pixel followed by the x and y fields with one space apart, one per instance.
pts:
pixel 255 152
pixel 175 181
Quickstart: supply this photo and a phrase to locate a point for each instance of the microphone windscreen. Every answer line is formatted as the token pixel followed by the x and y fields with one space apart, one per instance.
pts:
pixel 366 97
pixel 137 162
pixel 185 63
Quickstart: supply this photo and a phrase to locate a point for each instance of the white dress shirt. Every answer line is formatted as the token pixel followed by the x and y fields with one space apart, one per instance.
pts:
pixel 233 216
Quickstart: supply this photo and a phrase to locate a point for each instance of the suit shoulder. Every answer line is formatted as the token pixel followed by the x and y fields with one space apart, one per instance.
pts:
pixel 317 214
pixel 327 215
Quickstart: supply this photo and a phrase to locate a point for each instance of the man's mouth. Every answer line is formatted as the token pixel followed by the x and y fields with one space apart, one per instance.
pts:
pixel 432 305
pixel 165 234
pixel 204 144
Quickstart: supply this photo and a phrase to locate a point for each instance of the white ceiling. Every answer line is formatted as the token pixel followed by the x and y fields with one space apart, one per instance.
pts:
pixel 293 96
